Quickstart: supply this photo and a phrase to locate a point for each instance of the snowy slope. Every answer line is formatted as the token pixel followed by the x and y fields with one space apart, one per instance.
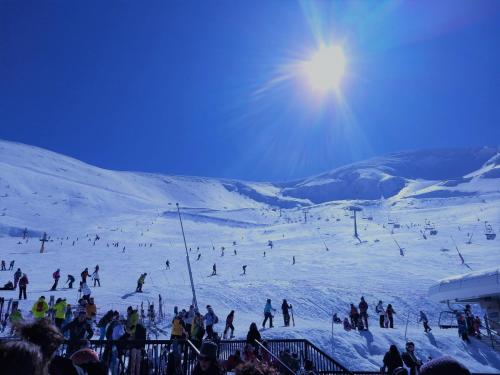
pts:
pixel 44 191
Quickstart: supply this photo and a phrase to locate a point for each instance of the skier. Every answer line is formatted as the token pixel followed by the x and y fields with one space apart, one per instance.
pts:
pixel 268 314
pixel 40 308
pixel 95 275
pixel 244 267
pixel 103 322
pixel 3 266
pixel 84 275
pixel 210 319
pixel 71 280
pixel 286 315
pixel 293 261
pixel 410 359
pixel 264 254
pixel 363 312
pixel 11 265
pixel 222 252
pixel 199 256
pixel 390 315
pixel 379 309
pixel 167 264
pixel 229 325
pixel 23 283
pixel 178 331
pixel 354 315
pixel 56 276
pixel 17 276
pixel 235 253
pixel 140 282
pixel 425 321
pixel 214 270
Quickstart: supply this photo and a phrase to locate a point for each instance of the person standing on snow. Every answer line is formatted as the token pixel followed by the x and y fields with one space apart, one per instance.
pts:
pixel 84 275
pixel 214 270
pixel 84 288
pixel 363 311
pixel 210 320
pixel 95 275
pixel 11 265
pixel 354 315
pixel 56 276
pixel 17 276
pixel 425 321
pixel 390 315
pixel 167 264
pixel 286 315
pixel 23 284
pixel 379 309
pixel 268 314
pixel 140 282
pixel 40 308
pixel 229 325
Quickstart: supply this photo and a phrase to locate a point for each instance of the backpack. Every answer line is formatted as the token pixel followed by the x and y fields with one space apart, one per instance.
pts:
pixel 39 306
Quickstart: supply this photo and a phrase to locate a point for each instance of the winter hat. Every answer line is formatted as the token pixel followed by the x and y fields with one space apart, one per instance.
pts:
pixel 444 366
pixel 84 356
pixel 208 350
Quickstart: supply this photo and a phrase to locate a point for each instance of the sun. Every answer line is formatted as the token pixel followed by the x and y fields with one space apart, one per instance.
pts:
pixel 325 69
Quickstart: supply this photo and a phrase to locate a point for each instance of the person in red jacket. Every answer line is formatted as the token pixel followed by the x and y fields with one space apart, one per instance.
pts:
pixel 56 276
pixel 229 325
pixel 23 282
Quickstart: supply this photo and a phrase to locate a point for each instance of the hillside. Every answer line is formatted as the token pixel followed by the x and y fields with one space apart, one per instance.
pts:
pixel 456 190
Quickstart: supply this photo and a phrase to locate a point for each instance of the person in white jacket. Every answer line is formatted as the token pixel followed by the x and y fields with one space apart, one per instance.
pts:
pixel 210 320
pixel 379 309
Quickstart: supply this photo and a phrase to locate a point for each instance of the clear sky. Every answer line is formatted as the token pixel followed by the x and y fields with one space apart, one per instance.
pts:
pixel 204 87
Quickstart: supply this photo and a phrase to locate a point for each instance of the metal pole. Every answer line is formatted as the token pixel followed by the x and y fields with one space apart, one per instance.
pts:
pixel 355 225
pixel 195 302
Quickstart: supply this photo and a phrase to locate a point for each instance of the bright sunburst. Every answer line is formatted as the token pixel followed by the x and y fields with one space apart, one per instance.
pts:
pixel 325 69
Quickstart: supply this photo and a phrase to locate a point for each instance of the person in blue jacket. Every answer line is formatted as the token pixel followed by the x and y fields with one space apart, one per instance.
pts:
pixel 268 314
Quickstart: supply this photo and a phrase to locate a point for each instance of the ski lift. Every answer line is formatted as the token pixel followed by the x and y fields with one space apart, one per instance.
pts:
pixel 447 319
pixel 490 235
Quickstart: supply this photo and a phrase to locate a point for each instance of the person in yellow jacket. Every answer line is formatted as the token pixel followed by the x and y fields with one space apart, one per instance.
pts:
pixel 132 320
pixel 140 282
pixel 177 328
pixel 91 309
pixel 60 312
pixel 40 308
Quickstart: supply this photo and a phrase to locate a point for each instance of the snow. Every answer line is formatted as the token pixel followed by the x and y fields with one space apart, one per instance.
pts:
pixel 47 192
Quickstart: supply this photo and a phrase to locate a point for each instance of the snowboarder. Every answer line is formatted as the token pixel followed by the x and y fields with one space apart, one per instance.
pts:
pixel 11 265
pixel 425 321
pixel 363 312
pixel 214 270
pixel 229 325
pixel 95 275
pixel 244 267
pixel 167 264
pixel 210 319
pixel 390 315
pixel 71 280
pixel 56 276
pixel 23 283
pixel 17 276
pixel 268 314
pixel 140 282
pixel 286 315
pixel 379 309
pixel 84 275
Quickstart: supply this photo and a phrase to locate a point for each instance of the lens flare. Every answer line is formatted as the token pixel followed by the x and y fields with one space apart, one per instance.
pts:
pixel 325 69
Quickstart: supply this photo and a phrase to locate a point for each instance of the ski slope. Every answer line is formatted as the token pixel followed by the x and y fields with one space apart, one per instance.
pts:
pixel 68 199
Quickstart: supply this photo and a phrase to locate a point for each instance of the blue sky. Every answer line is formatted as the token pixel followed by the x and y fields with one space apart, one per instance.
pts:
pixel 195 88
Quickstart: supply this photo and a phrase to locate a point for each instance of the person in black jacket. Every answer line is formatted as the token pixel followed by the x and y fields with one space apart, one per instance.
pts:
pixel 252 335
pixel 410 359
pixel 392 360
pixel 286 315
pixel 77 329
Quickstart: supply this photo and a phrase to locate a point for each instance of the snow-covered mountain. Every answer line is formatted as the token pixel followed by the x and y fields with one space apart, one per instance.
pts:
pixel 455 190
